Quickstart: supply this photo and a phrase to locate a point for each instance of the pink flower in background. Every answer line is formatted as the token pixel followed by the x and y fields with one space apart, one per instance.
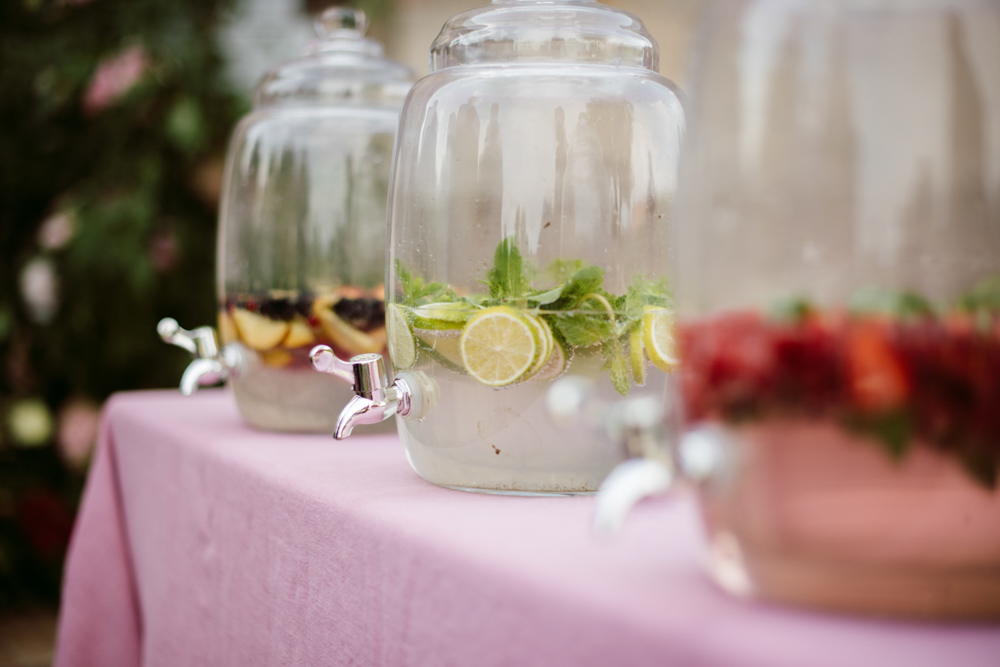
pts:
pixel 113 78
pixel 57 230
pixel 163 251
pixel 40 289
pixel 78 421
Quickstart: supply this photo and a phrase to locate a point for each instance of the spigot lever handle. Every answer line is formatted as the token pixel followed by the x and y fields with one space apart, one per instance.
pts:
pixel 201 342
pixel 325 360
pixel 210 364
pixel 412 394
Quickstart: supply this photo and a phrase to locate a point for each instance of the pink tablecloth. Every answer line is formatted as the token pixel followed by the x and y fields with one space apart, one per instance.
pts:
pixel 203 542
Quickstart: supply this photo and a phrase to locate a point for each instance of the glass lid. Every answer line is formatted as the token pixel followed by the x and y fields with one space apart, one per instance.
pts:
pixel 341 67
pixel 540 31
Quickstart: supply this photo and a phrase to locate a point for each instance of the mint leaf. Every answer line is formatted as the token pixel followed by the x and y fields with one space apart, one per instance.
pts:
pixel 411 285
pixel 584 329
pixel 561 270
pixel 876 301
pixel 983 297
pixel 506 278
pixel 545 298
pixel 616 363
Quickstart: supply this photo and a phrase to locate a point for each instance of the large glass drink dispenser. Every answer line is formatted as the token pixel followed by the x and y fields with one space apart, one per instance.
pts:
pixel 301 255
pixel 533 186
pixel 838 298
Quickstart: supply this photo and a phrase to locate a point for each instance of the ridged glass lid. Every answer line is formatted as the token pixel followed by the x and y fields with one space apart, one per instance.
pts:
pixel 541 31
pixel 341 67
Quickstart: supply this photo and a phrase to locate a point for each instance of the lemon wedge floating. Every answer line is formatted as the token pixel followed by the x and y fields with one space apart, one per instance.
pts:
pixel 257 331
pixel 658 338
pixel 545 342
pixel 402 347
pixel 556 366
pixel 440 316
pixel 499 346
pixel 637 356
pixel 300 334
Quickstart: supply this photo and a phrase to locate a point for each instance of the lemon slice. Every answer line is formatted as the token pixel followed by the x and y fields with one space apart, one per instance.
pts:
pixel 438 316
pixel 257 331
pixel 227 328
pixel 300 334
pixel 637 356
pixel 545 342
pixel 557 365
pixel 499 346
pixel 658 338
pixel 402 347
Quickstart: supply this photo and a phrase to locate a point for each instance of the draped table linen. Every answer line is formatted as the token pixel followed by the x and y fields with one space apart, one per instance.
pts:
pixel 201 541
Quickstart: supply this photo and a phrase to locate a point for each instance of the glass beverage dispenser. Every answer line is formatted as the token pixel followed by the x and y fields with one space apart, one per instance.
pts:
pixel 302 229
pixel 532 189
pixel 838 299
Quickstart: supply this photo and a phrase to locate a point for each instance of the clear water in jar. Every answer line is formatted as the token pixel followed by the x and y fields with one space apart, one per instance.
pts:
pixel 502 439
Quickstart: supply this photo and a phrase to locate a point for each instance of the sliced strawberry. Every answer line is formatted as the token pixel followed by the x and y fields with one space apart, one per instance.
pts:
pixel 877 379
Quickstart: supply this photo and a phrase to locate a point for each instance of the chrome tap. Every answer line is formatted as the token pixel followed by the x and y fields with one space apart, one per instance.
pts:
pixel 411 395
pixel 211 364
pixel 649 430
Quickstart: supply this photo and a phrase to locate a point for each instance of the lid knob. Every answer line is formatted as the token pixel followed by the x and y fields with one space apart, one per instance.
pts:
pixel 341 22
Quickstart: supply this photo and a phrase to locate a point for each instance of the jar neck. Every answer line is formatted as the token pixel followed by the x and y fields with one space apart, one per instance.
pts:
pixel 575 32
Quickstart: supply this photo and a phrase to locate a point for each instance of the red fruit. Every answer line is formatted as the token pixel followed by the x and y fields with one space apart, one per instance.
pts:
pixel 877 379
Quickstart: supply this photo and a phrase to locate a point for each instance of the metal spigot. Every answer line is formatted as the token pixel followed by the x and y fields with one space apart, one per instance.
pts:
pixel 410 395
pixel 648 428
pixel 211 364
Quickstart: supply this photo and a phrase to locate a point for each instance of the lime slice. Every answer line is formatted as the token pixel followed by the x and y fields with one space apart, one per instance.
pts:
pixel 442 347
pixel 637 356
pixel 557 365
pixel 658 338
pixel 402 348
pixel 451 315
pixel 499 346
pixel 545 342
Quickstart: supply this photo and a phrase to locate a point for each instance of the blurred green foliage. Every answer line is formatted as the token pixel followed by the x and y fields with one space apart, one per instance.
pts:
pixel 114 117
pixel 113 121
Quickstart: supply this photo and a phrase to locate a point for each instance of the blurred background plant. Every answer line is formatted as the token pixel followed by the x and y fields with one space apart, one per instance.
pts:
pixel 113 122
pixel 114 117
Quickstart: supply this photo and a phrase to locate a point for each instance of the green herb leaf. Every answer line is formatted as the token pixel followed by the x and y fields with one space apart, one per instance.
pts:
pixel 506 278
pixel 981 464
pixel 545 298
pixel 892 430
pixel 616 363
pixel 561 270
pixel 887 302
pixel 984 297
pixel 584 329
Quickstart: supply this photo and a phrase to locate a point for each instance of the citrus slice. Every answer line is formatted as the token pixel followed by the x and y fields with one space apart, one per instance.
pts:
pixel 545 342
pixel 499 346
pixel 637 356
pixel 277 358
pixel 257 331
pixel 658 338
pixel 347 338
pixel 557 365
pixel 436 316
pixel 227 328
pixel 402 347
pixel 300 334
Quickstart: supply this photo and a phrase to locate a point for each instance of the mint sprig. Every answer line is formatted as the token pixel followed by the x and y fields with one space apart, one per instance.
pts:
pixel 578 310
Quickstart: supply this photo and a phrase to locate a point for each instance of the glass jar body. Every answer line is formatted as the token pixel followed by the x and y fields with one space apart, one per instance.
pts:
pixel 838 290
pixel 302 254
pixel 508 181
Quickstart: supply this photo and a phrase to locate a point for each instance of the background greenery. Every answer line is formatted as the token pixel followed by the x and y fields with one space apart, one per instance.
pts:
pixel 114 115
